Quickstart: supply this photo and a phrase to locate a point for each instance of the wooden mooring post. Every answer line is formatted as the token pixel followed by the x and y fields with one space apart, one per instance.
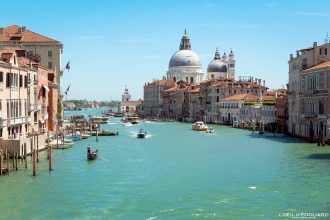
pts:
pixel 34 161
pixel 7 157
pixel 1 159
pixel 37 147
pixel 14 158
pixel 50 157
pixel 97 136
pixel 16 161
pixel 25 156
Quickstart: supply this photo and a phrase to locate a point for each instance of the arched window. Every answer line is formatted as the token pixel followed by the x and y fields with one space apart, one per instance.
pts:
pixel 191 79
pixel 174 78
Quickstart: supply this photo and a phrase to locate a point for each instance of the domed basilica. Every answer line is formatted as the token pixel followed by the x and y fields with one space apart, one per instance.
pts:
pixel 186 66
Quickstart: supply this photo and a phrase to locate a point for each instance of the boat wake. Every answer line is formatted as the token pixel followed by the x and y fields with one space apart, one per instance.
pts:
pixel 252 187
pixel 112 123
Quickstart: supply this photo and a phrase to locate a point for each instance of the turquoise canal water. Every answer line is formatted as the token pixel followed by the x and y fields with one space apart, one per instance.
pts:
pixel 176 173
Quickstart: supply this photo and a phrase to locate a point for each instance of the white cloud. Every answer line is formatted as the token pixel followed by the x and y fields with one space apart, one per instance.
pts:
pixel 315 14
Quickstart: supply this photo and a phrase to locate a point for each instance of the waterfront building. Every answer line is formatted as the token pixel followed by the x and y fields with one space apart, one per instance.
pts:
pixel 259 110
pixel 281 113
pixel 15 118
pixel 222 88
pixel 194 112
pixel 221 67
pixel 185 65
pixel 47 50
pixel 127 105
pixel 153 104
pixel 29 100
pixel 308 92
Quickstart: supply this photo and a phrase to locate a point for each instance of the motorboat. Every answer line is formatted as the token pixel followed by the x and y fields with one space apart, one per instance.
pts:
pixel 85 136
pixel 142 134
pixel 91 155
pixel 199 126
pixel 99 120
pixel 133 120
pixel 127 123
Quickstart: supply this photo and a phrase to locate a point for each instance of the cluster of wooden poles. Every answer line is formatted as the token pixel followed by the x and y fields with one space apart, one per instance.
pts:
pixel 4 156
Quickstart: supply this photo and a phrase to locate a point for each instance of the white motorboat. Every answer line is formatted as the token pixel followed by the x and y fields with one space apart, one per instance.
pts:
pixel 199 126
pixel 127 124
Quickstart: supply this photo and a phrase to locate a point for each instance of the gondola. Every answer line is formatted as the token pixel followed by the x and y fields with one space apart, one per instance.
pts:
pixel 91 155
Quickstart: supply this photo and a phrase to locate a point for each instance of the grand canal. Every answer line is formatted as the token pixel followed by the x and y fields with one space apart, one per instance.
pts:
pixel 176 173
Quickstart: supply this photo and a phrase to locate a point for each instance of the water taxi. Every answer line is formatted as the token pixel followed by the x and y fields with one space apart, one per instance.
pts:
pixel 142 134
pixel 199 126
pixel 133 120
pixel 99 120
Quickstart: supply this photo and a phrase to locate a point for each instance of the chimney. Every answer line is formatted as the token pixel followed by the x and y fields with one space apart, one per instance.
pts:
pixel 314 45
pixel 1 30
pixel 291 56
pixel 259 82
pixel 297 52
pixel 264 83
pixel 23 28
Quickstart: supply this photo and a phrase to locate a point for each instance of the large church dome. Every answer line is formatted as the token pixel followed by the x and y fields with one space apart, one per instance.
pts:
pixel 185 58
pixel 185 65
pixel 217 65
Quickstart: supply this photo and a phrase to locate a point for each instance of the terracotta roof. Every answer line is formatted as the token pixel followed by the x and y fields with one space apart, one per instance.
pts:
pixel 16 33
pixel 242 97
pixel 173 89
pixel 268 98
pixel 318 66
pixel 196 90
pixel 131 102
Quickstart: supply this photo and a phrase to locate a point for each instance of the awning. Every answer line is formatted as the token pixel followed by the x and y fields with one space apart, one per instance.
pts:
pixel 46 87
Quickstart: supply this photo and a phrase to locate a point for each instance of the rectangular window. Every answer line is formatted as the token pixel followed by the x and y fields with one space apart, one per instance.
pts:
pixel 50 65
pixel 25 81
pixel 20 81
pixel 1 76
pixel 304 63
pixel 50 53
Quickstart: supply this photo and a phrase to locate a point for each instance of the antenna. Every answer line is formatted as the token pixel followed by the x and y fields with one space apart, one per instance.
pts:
pixel 326 40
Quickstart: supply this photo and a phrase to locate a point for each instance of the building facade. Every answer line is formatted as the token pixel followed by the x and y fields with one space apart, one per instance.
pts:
pixel 308 92
pixel 46 49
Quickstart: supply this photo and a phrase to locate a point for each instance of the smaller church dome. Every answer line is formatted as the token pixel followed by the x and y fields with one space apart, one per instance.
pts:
pixel 217 65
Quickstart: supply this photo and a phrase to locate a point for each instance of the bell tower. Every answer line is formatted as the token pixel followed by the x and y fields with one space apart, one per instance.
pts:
pixel 126 96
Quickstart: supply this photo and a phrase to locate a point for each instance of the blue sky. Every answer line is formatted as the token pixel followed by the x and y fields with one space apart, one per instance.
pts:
pixel 115 43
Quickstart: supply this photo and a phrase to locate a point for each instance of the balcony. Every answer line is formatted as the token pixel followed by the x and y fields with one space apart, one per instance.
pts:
pixel 17 121
pixel 308 115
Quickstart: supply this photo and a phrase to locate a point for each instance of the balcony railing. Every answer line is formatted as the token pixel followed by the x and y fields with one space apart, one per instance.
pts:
pixel 17 121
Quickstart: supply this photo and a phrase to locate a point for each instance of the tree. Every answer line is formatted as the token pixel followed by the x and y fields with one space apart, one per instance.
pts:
pixel 59 108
